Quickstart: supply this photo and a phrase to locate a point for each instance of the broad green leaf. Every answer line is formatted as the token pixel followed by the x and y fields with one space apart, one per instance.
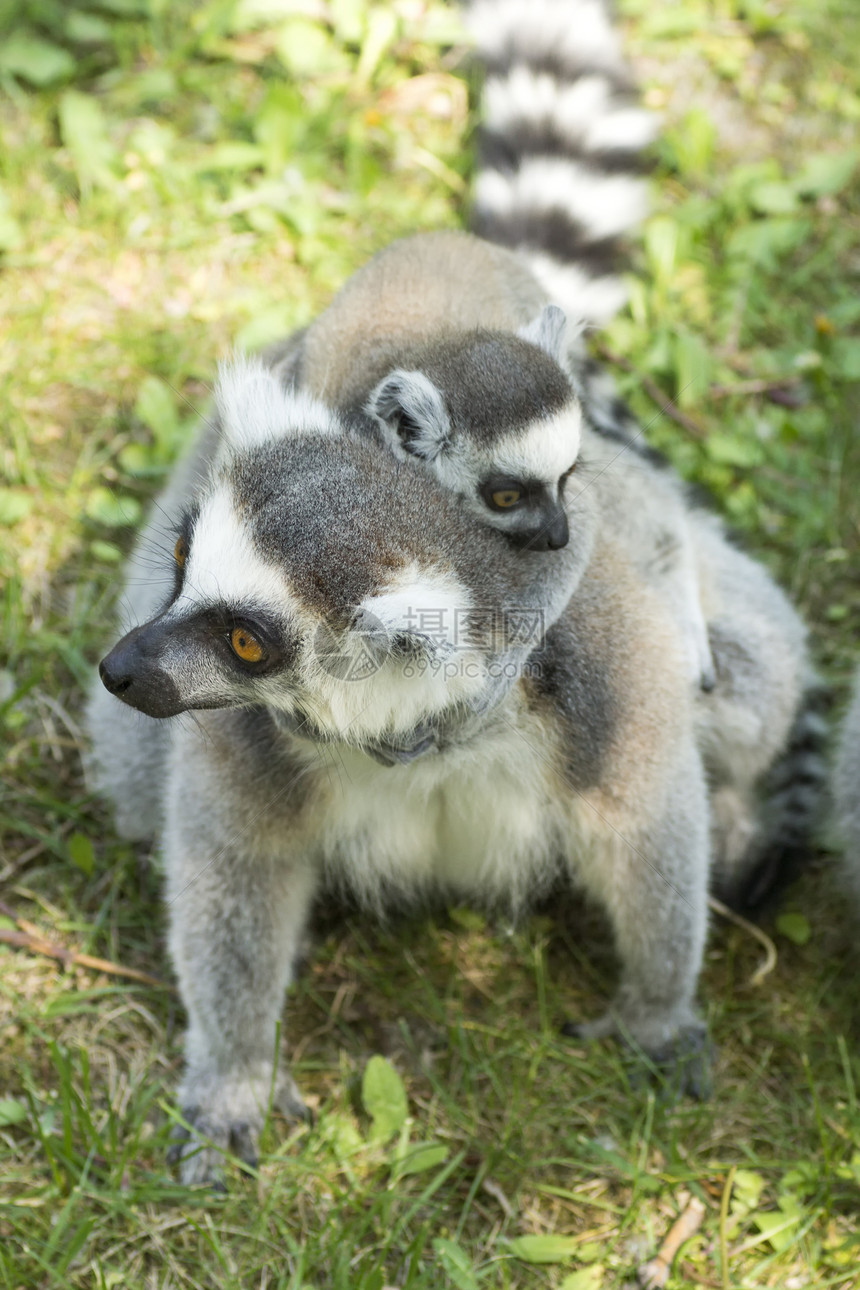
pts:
pixel 827 173
pixel 349 18
pixel 12 1112
pixel 15 505
pixel 748 1187
pixel 695 141
pixel 668 22
pixel 661 243
pixel 34 60
pixel 794 926
pixel 765 240
pixel 455 1263
pixel 140 460
pixel 81 853
pixel 106 552
pixel 846 357
pixel 544 1249
pixel 585 1279
pixel 84 132
pixel 733 450
pixel 342 1132
pixel 306 49
pixel 156 408
pixel 384 1096
pixel 693 368
pixel 234 155
pixel 421 1156
pixel 105 507
pixel 261 13
pixel 780 1227
pixel 87 28
pixel 278 126
pixel 381 32
pixel 774 199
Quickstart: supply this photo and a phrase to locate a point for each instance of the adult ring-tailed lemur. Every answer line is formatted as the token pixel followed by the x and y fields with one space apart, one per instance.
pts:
pixel 399 687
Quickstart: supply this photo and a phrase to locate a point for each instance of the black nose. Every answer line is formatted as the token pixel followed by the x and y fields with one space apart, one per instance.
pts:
pixel 552 535
pixel 113 681
pixel 134 672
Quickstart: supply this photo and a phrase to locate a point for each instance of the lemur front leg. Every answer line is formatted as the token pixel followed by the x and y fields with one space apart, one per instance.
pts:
pixel 676 572
pixel 236 920
pixel 653 883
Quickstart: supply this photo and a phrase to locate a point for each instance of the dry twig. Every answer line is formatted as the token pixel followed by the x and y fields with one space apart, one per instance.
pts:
pixel 652 389
pixel 655 1273
pixel 763 939
pixel 28 937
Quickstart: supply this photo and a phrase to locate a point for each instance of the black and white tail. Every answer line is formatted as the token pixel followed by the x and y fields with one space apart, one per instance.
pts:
pixel 794 797
pixel 560 147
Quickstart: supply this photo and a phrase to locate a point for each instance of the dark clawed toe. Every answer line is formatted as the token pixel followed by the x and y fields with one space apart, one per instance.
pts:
pixel 572 1030
pixel 686 1066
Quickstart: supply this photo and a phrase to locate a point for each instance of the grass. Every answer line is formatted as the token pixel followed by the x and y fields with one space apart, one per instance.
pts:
pixel 176 177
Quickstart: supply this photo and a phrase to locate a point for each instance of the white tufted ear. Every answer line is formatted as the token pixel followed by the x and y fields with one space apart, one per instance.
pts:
pixel 547 331
pixel 412 414
pixel 254 408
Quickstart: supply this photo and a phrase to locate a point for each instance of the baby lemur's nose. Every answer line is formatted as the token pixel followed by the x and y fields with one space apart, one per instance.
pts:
pixel 114 681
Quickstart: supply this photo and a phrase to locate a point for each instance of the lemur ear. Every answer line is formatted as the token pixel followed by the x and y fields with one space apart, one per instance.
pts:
pixel 547 331
pixel 254 408
pixel 412 414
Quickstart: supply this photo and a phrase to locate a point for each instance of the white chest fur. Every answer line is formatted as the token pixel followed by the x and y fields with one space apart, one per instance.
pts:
pixel 487 821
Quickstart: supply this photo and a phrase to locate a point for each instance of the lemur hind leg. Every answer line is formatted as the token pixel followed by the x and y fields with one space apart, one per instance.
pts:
pixel 652 881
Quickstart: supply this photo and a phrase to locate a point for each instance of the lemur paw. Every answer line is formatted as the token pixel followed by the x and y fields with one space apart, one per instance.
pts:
pixel 683 1061
pixel 224 1116
pixel 685 1064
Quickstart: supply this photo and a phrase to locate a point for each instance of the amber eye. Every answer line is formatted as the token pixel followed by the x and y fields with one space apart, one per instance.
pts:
pixel 246 646
pixel 180 551
pixel 504 498
pixel 567 474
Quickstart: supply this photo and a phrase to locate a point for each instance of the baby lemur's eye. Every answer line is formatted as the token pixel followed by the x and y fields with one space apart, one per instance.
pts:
pixel 246 646
pixel 503 498
pixel 180 551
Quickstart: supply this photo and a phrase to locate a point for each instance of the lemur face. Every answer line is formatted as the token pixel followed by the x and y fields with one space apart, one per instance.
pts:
pixel 494 416
pixel 530 511
pixel 313 580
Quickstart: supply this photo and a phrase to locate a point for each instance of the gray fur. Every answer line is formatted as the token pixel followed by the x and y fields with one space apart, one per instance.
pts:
pixel 846 789
pixel 547 332
pixel 465 314
pixel 593 768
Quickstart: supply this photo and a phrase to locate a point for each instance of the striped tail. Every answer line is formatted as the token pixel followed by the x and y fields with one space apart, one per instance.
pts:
pixel 794 798
pixel 560 146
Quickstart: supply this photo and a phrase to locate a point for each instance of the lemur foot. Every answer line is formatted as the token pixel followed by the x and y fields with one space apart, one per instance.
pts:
pixel 683 1062
pixel 226 1119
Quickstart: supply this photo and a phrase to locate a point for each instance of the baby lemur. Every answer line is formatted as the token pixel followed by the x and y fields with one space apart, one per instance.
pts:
pixel 451 349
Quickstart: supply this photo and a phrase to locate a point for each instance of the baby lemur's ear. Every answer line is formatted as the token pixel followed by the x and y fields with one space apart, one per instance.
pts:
pixel 547 331
pixel 412 414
